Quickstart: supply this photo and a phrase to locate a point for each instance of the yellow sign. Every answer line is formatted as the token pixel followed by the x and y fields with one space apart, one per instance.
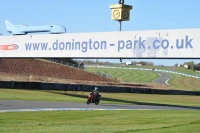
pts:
pixel 120 12
pixel 116 14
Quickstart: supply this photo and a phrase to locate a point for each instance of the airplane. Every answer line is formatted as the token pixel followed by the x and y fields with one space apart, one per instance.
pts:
pixel 25 29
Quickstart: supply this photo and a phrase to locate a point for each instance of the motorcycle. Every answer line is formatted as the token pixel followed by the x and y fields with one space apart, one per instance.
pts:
pixel 93 98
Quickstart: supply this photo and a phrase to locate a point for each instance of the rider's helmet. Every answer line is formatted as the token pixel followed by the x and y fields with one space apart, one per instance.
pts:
pixel 96 88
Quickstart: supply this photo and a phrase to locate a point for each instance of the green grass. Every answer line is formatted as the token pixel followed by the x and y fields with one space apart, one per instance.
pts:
pixel 107 98
pixel 184 83
pixel 101 122
pixel 178 82
pixel 148 67
pixel 36 95
pixel 176 69
pixel 186 71
pixel 136 76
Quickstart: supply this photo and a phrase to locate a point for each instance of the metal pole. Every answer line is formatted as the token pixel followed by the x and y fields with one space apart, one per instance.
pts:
pixel 120 28
pixel 120 25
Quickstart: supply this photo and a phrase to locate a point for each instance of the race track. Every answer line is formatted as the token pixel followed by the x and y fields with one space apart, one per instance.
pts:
pixel 163 79
pixel 21 106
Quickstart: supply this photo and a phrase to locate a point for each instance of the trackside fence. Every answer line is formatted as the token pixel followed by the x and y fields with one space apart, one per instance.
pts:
pixel 64 63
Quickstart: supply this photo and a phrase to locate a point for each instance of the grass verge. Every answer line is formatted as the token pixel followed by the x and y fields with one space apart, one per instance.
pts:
pixel 107 98
pixel 101 122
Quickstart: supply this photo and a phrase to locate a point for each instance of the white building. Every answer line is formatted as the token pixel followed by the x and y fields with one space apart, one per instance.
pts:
pixel 179 65
pixel 138 64
pixel 128 63
pixel 186 66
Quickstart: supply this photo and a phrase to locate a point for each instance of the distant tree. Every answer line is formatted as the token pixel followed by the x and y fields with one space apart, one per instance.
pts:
pixel 68 60
pixel 176 65
pixel 101 63
pixel 194 68
pixel 197 66
pixel 90 62
pixel 133 63
pixel 107 63
pixel 190 65
pixel 143 63
pixel 150 63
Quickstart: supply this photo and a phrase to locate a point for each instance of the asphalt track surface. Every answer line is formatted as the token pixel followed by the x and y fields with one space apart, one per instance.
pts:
pixel 22 106
pixel 163 79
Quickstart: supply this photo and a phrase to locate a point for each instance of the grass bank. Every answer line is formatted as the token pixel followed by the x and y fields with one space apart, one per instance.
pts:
pixel 136 76
pixel 177 82
pixel 184 83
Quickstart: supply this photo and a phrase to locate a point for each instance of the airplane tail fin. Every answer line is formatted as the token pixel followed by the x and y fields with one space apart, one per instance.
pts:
pixel 8 24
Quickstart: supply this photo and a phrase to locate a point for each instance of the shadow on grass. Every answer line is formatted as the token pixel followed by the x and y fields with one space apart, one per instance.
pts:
pixel 126 101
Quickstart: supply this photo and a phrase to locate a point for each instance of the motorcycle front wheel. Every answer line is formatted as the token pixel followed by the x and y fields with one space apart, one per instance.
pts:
pixel 88 101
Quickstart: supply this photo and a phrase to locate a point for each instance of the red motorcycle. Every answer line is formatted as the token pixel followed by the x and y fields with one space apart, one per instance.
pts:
pixel 93 98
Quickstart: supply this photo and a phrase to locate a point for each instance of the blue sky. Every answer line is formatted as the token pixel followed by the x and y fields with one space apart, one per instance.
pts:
pixel 80 16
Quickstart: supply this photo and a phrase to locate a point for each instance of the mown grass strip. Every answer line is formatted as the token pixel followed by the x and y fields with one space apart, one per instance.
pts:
pixel 178 82
pixel 184 83
pixel 127 75
pixel 148 67
pixel 170 68
pixel 186 71
pixel 107 98
pixel 101 122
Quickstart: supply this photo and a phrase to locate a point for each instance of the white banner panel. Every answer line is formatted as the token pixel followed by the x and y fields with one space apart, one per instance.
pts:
pixel 182 43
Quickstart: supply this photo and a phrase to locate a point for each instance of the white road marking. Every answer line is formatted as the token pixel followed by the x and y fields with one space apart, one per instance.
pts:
pixel 64 109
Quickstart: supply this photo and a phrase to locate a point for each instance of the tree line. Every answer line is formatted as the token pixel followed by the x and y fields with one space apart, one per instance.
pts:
pixel 191 65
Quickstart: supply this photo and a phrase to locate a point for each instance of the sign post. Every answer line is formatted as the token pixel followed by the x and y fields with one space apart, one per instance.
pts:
pixel 120 12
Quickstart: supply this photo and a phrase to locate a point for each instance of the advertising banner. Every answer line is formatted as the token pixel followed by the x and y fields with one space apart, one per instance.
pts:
pixel 177 43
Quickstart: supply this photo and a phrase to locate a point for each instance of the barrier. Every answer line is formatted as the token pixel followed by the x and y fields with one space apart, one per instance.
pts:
pixel 89 88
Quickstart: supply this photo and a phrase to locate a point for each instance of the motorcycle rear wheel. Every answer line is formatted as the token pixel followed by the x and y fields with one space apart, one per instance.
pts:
pixel 97 102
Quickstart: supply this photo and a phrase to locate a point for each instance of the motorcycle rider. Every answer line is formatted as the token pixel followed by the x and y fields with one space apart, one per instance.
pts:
pixel 95 92
pixel 94 96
